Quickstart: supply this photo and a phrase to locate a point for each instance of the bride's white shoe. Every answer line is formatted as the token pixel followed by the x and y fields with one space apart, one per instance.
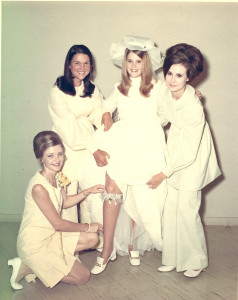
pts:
pixel 134 257
pixel 99 266
pixel 15 263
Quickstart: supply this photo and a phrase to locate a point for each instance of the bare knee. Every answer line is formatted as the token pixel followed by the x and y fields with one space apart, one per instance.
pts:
pixel 111 186
pixel 92 239
pixel 83 277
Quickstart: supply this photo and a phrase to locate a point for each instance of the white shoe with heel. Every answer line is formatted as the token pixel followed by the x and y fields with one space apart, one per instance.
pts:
pixel 99 266
pixel 15 263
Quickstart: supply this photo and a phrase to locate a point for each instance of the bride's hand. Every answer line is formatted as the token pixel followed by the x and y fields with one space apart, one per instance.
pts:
pixel 101 157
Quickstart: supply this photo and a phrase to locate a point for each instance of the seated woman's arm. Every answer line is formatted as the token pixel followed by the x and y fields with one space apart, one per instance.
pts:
pixel 72 200
pixel 43 201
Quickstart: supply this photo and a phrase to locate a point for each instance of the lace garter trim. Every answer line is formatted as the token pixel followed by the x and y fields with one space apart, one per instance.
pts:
pixel 109 197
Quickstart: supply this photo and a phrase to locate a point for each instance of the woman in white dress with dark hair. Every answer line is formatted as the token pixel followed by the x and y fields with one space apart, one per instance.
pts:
pixel 191 163
pixel 75 107
pixel 133 152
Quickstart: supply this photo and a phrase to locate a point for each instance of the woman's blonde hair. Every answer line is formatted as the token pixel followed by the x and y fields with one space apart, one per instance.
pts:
pixel 146 74
pixel 45 139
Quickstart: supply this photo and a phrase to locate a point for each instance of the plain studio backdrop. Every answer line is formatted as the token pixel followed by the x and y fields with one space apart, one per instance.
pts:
pixel 35 39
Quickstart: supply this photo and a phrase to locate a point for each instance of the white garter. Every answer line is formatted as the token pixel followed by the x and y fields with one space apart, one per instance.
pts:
pixel 109 197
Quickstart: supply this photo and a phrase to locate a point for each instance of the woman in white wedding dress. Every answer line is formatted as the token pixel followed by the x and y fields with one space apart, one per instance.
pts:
pixel 132 152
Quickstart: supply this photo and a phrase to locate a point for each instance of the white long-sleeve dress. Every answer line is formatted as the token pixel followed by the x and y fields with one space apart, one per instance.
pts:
pixel 74 119
pixel 136 146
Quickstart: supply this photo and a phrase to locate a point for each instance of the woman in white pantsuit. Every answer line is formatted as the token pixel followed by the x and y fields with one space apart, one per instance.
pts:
pixel 191 163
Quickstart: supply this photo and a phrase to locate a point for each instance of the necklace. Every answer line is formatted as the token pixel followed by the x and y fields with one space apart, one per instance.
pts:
pixel 52 182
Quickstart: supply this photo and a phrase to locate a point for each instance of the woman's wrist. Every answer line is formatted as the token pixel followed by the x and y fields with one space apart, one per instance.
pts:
pixel 86 193
pixel 88 227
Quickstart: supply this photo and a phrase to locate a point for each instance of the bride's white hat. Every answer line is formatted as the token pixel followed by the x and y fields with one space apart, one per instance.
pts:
pixel 117 50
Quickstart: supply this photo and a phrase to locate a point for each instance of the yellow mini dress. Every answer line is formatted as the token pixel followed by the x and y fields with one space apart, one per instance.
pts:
pixel 49 253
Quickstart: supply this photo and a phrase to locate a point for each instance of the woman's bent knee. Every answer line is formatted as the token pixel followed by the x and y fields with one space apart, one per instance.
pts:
pixel 83 277
pixel 92 239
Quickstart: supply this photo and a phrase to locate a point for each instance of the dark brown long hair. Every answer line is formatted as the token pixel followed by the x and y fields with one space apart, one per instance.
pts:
pixel 65 82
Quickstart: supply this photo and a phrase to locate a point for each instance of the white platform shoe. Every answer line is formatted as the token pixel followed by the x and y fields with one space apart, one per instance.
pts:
pixel 134 257
pixel 99 266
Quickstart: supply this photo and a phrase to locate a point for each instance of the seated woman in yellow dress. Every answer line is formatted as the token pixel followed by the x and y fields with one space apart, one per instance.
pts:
pixel 46 243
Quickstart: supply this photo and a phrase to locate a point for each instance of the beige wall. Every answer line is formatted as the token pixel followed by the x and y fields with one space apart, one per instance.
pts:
pixel 35 39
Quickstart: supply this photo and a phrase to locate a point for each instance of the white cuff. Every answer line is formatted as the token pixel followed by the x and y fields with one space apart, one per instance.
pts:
pixel 168 171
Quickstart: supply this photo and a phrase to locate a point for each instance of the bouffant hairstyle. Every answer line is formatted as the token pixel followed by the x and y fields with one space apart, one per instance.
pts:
pixel 65 82
pixel 189 56
pixel 45 139
pixel 146 74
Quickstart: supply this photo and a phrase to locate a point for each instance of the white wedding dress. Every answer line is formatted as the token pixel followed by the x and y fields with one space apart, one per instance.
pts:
pixel 136 145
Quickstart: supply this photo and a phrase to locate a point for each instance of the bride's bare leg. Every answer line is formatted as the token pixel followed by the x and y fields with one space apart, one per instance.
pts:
pixel 134 255
pixel 110 214
pixel 111 207
pixel 130 248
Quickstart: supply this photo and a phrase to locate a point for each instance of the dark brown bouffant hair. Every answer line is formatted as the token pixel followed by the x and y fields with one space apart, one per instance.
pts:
pixel 189 56
pixel 65 82
pixel 45 139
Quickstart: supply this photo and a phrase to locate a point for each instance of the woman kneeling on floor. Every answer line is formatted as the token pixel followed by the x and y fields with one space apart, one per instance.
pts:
pixel 46 243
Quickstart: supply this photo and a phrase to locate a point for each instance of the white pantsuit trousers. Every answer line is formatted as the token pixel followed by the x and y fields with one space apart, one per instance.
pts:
pixel 184 244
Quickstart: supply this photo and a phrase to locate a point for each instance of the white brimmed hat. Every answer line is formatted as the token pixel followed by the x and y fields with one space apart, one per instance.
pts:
pixel 117 50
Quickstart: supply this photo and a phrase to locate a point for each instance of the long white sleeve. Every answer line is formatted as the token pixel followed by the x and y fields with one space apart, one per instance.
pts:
pixel 96 115
pixel 111 102
pixel 75 132
pixel 185 136
pixel 163 117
